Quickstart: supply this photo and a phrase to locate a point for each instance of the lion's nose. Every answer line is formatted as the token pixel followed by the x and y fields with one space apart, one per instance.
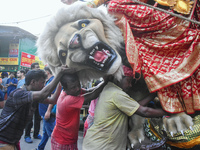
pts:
pixel 75 42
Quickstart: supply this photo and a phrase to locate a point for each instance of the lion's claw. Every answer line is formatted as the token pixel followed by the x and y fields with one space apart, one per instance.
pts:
pixel 177 123
pixel 182 132
pixel 191 128
pixel 171 134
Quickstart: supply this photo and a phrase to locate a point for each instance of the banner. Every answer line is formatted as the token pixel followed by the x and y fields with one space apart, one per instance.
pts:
pixel 13 50
pixel 27 59
pixel 8 61
pixel 41 64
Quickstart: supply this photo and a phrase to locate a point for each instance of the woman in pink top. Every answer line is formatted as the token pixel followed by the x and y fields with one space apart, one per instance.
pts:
pixel 90 117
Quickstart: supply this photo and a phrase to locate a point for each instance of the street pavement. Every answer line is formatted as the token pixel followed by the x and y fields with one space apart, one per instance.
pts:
pixel 31 146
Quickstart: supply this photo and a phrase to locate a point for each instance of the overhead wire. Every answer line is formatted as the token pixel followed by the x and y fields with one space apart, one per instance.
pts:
pixel 17 22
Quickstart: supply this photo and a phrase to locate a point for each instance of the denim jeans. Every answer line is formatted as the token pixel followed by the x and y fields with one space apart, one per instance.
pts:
pixel 48 126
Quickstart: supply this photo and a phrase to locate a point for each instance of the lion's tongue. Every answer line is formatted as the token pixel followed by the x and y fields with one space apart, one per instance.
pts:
pixel 99 56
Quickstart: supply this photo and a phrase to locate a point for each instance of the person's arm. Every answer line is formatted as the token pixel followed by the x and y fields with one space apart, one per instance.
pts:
pixel 88 90
pixel 7 83
pixel 84 90
pixel 53 99
pixel 95 93
pixel 147 99
pixel 97 90
pixel 48 112
pixel 47 115
pixel 2 102
pixel 13 84
pixel 150 112
pixel 46 91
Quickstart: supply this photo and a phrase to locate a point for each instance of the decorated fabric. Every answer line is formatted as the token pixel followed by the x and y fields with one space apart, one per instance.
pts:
pixel 189 140
pixel 165 49
pixel 153 136
pixel 55 145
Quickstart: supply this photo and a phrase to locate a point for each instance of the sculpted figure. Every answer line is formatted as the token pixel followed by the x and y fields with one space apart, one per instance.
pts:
pixel 82 38
pixel 163 50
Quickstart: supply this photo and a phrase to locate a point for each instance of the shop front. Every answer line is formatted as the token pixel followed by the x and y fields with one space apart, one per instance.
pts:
pixel 17 49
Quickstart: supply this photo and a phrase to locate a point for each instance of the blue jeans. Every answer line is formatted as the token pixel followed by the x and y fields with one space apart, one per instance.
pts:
pixel 48 126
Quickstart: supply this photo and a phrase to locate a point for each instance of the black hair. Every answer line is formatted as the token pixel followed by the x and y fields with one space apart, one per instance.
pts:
pixel 68 78
pixel 34 74
pixel 23 71
pixel 34 64
pixel 26 70
pixel 4 74
pixel 46 68
pixel 14 73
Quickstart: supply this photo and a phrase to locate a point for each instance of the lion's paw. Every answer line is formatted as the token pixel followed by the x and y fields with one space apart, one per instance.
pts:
pixel 177 123
pixel 136 135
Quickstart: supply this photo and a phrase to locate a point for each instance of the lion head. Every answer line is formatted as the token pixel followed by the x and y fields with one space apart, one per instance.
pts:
pixel 83 38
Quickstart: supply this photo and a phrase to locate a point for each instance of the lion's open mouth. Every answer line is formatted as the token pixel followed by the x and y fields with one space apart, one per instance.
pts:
pixel 101 56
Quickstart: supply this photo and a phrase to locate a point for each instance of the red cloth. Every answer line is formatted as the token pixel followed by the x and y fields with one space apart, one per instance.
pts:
pixel 57 146
pixel 165 49
pixel 67 118
pixel 127 71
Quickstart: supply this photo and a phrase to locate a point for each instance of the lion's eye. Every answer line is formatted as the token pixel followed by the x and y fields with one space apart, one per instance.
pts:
pixel 63 56
pixel 83 23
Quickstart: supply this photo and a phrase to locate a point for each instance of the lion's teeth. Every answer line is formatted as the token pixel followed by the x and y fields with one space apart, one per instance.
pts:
pixel 98 64
pixel 105 59
pixel 92 52
pixel 91 57
pixel 106 52
pixel 97 47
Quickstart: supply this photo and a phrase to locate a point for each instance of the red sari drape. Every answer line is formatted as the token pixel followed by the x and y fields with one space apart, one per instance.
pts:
pixel 165 49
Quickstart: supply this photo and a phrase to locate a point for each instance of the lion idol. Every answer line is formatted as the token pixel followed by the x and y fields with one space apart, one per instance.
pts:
pixel 88 39
pixel 85 39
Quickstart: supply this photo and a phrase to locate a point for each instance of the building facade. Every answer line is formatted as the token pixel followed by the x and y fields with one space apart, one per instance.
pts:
pixel 17 49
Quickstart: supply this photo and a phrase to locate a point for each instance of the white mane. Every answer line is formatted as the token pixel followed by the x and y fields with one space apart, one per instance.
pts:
pixel 46 47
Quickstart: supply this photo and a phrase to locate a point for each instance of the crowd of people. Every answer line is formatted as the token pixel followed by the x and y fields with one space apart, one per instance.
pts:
pixel 9 81
pixel 37 92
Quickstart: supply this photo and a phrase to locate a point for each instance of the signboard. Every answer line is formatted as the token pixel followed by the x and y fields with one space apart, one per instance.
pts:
pixel 13 49
pixel 8 61
pixel 41 64
pixel 27 59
